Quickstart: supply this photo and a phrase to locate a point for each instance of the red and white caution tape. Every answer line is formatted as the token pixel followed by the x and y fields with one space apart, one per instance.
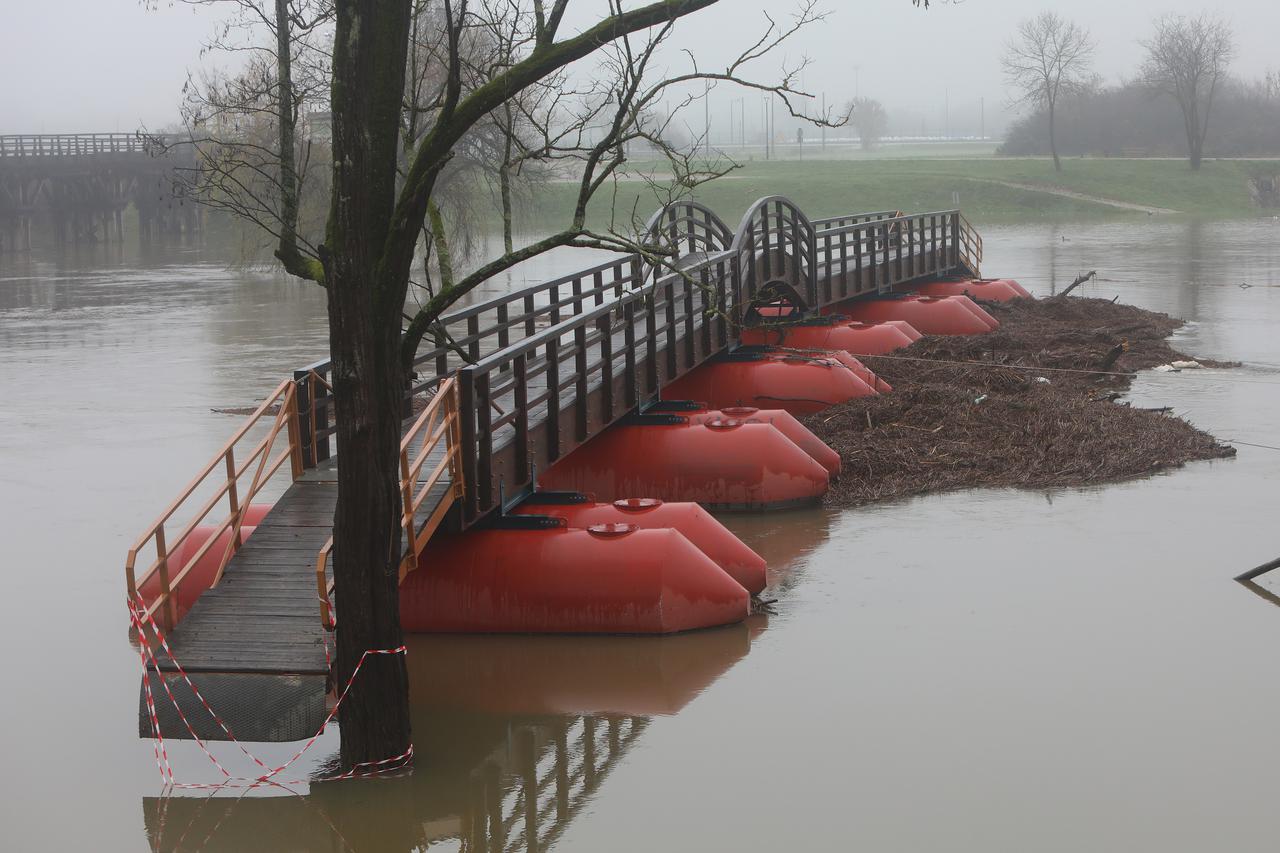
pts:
pixel 142 621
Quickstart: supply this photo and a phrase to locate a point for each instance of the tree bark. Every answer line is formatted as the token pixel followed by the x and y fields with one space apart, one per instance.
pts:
pixel 364 337
pixel 1053 138
pixel 504 180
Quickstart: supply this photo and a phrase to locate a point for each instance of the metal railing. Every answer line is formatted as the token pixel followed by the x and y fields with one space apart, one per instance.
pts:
pixel 436 429
pixel 225 473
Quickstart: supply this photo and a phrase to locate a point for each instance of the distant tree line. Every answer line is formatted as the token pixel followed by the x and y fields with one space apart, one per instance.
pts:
pixel 1129 119
pixel 1182 90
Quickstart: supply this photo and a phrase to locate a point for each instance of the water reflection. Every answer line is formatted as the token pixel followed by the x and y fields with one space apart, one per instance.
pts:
pixel 514 736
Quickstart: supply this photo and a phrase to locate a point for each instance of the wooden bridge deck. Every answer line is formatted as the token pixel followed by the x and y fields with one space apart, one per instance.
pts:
pixel 262 617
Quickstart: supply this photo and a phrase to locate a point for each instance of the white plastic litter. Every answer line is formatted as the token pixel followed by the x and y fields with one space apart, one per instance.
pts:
pixel 1042 380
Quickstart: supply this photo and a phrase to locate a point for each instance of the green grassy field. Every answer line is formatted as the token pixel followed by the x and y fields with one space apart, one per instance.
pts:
pixel 978 184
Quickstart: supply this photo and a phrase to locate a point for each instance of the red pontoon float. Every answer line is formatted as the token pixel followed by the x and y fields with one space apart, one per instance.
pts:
pixel 692 521
pixel 723 464
pixel 990 290
pixel 948 315
pixel 802 385
pixel 784 422
pixel 833 334
pixel 607 579
pixel 202 574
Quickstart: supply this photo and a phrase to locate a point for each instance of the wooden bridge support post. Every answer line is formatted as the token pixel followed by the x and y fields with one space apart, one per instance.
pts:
pixel 467 434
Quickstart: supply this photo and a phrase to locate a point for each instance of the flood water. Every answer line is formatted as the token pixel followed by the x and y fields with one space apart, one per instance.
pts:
pixel 983 671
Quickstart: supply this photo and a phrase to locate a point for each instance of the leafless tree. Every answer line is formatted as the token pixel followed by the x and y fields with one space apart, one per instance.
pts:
pixel 867 116
pixel 1047 58
pixel 1188 58
pixel 251 160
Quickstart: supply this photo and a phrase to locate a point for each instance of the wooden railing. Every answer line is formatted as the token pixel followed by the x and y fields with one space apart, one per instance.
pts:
pixel 854 219
pixel 225 473
pixel 82 144
pixel 477 330
pixel 436 429
pixel 525 406
pixel 873 256
pixel 970 245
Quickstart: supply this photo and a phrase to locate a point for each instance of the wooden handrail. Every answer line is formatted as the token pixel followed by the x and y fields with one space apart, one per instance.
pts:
pixel 268 462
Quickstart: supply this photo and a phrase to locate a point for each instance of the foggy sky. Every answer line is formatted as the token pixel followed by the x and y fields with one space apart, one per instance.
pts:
pixel 107 65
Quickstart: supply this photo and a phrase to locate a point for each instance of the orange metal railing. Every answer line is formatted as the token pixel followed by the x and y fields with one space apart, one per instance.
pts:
pixel 436 429
pixel 263 459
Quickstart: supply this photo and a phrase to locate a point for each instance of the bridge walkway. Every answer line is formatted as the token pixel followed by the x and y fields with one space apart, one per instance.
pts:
pixel 545 369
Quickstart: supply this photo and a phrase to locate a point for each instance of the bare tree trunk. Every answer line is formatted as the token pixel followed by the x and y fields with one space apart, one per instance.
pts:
pixel 287 246
pixel 1053 137
pixel 365 305
pixel 504 181
pixel 440 241
pixel 1195 139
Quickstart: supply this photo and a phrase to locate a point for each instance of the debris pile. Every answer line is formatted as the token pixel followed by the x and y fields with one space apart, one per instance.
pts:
pixel 1031 405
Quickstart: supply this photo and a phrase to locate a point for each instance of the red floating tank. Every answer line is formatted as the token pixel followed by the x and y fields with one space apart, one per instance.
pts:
pixel 724 464
pixel 785 423
pixel 855 338
pixel 201 576
pixel 906 328
pixel 863 372
pixel 801 385
pixel 991 290
pixel 608 579
pixel 694 523
pixel 948 315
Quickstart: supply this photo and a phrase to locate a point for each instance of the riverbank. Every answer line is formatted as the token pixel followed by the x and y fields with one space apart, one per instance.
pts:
pixel 995 190
pixel 1032 405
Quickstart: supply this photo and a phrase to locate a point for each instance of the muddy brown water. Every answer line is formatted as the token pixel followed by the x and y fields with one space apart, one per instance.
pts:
pixel 979 671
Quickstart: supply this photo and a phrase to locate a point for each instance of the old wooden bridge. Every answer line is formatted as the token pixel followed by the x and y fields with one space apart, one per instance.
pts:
pixel 546 368
pixel 83 182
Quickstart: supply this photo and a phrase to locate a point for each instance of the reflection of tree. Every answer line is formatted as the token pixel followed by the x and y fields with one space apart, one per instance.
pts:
pixel 514 735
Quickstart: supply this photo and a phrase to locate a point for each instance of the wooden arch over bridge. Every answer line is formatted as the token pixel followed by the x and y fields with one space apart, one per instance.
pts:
pixel 509 386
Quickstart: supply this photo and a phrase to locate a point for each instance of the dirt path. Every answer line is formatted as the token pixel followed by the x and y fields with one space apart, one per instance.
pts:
pixel 1072 194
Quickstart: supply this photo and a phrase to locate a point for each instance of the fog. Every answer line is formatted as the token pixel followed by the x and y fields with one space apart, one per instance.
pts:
pixel 107 65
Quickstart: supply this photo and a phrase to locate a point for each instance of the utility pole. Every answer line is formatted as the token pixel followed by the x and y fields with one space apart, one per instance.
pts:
pixel 824 118
pixel 773 119
pixel 768 143
pixel 707 108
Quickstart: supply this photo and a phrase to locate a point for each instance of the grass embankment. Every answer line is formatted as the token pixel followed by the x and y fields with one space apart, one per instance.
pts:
pixel 982 186
pixel 1021 407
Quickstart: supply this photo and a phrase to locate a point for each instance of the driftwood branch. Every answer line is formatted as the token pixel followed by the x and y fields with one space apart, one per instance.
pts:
pixel 1113 356
pixel 1081 279
pixel 1260 571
